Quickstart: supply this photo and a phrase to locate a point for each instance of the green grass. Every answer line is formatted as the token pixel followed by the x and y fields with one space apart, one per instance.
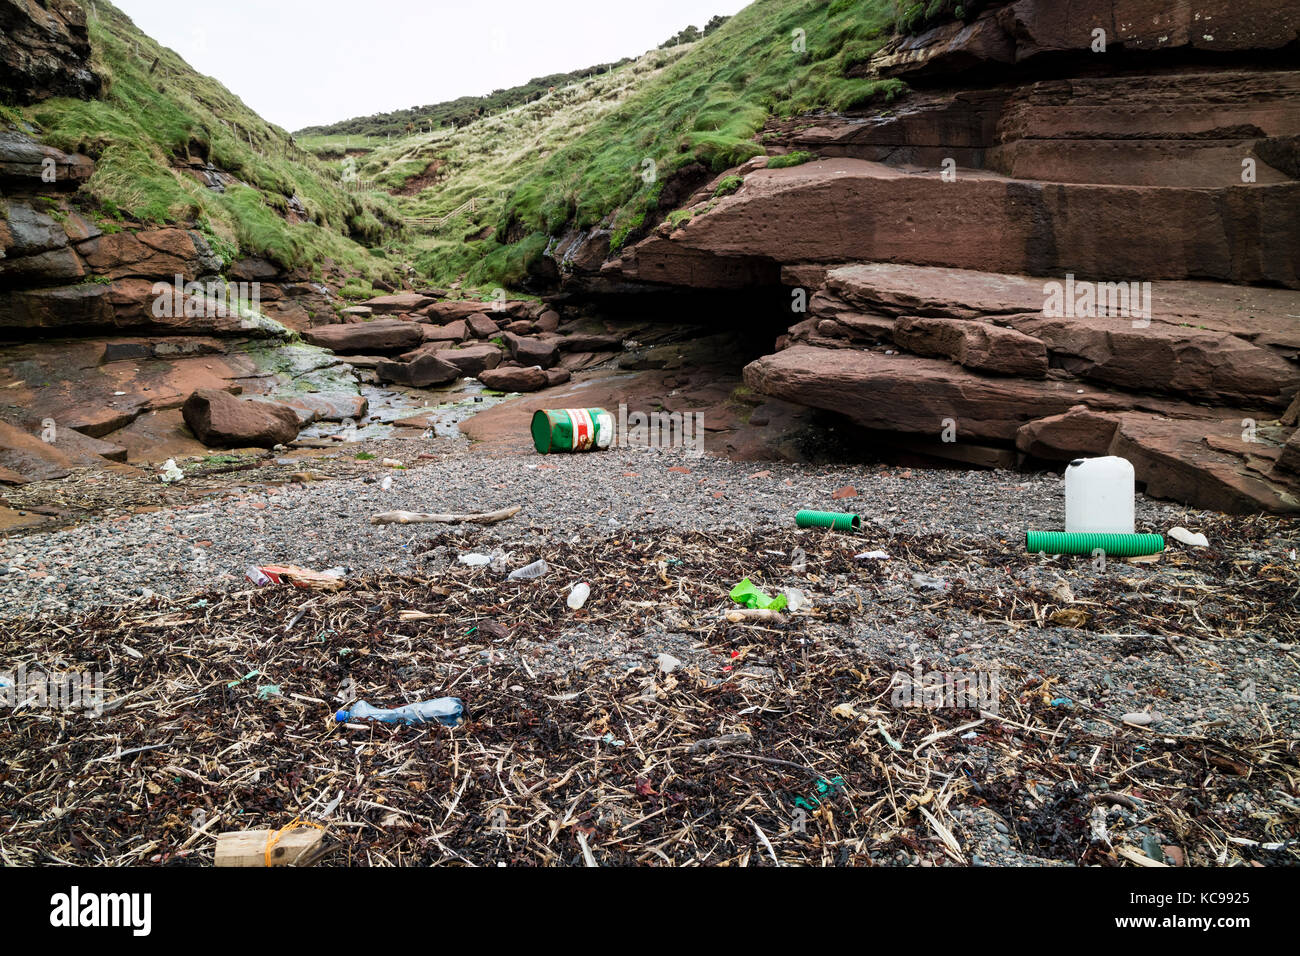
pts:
pixel 728 186
pixel 708 107
pixel 576 158
pixel 797 158
pixel 157 115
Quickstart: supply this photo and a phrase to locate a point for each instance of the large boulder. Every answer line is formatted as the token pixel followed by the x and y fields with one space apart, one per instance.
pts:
pixel 401 302
pixel 451 332
pixel 1078 433
pixel 481 326
pixel 364 338
pixel 514 378
pixel 422 371
pixel 527 350
pixel 25 457
pixel 472 359
pixel 220 420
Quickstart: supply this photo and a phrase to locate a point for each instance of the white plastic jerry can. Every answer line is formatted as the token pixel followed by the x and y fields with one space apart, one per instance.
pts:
pixel 1099 495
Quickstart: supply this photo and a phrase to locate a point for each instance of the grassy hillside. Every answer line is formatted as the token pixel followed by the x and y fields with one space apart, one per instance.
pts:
pixel 453 113
pixel 576 156
pixel 325 140
pixel 775 57
pixel 157 115
pixel 436 174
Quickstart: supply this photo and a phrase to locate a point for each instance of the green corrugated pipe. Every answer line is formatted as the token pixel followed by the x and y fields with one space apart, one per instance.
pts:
pixel 828 519
pixel 1077 542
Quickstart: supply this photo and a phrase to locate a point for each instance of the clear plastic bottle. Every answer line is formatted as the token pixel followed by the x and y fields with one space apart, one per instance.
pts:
pixel 578 595
pixel 530 572
pixel 444 710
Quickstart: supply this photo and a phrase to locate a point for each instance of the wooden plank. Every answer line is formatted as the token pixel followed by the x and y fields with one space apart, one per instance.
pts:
pixel 248 847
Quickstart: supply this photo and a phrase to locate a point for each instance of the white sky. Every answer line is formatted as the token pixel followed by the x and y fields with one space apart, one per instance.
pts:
pixel 307 62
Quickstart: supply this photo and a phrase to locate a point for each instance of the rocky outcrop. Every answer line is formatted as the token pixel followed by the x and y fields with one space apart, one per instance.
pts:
pixel 150 253
pixel 44 51
pixel 1077 234
pixel 220 420
pixel 850 210
pixel 24 162
pixel 1010 34
pixel 980 346
pixel 1173 393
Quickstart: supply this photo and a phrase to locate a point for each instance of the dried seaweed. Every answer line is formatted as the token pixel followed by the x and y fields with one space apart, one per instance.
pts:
pixel 776 745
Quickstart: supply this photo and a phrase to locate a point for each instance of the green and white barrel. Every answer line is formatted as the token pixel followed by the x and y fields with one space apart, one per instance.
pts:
pixel 572 429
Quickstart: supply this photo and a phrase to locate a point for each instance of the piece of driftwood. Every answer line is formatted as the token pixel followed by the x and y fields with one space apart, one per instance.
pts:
pixel 747 614
pixel 249 847
pixel 420 517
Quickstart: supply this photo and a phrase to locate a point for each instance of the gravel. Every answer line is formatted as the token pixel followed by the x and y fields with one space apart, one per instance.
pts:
pixel 1185 646
pixel 180 550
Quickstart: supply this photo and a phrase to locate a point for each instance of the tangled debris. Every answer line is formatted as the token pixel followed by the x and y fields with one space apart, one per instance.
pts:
pixel 763 744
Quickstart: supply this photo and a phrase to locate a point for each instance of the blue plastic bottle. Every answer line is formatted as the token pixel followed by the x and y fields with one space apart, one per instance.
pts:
pixel 445 710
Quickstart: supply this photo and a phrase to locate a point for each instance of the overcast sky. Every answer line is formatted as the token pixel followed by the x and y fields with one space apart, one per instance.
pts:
pixel 306 62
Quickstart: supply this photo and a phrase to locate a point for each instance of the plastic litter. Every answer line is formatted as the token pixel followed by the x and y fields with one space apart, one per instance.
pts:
pixel 871 556
pixel 257 576
pixel 474 559
pixel 747 595
pixel 1115 545
pixel 330 580
pixel 839 520
pixel 667 663
pixel 530 572
pixel 1193 539
pixel 795 599
pixel 1099 495
pixel 444 710
pixel 928 582
pixel 799 560
pixel 578 595
pixel 171 472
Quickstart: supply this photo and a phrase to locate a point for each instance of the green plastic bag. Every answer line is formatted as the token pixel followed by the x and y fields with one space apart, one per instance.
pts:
pixel 747 595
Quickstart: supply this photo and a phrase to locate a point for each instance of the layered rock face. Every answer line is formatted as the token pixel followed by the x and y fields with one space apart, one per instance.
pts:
pixel 105 334
pixel 44 51
pixel 1079 234
pixel 1193 396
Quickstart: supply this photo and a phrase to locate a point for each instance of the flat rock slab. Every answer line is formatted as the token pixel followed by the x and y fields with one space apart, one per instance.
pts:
pixel 380 335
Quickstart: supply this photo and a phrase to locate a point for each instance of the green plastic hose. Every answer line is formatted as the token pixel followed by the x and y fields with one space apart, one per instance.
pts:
pixel 828 519
pixel 1075 542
